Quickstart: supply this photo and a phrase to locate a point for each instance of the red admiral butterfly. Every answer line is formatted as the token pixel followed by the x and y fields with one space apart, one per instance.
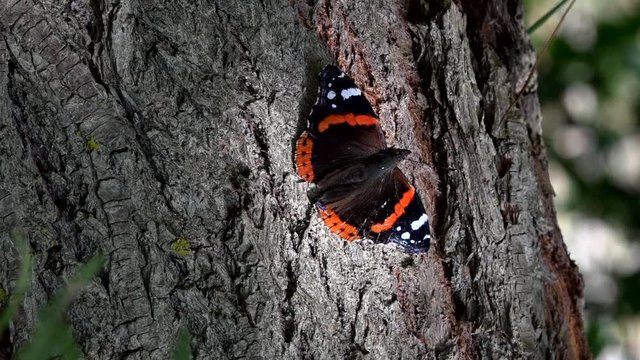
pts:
pixel 360 191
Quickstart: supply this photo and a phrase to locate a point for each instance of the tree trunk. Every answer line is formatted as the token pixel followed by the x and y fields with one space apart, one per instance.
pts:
pixel 162 133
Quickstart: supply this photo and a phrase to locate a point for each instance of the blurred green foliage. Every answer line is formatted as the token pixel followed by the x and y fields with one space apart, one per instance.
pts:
pixel 182 350
pixel 598 53
pixel 21 286
pixel 53 337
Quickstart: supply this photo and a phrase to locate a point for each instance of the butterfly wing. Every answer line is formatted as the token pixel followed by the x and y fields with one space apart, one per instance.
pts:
pixel 342 128
pixel 385 209
pixel 405 222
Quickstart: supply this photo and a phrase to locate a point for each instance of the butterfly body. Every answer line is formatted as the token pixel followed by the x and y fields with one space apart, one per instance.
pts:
pixel 360 192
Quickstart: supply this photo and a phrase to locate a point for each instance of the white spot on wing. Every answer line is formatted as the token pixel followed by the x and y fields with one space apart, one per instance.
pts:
pixel 405 235
pixel 341 75
pixel 347 93
pixel 398 228
pixel 329 84
pixel 418 223
pixel 333 106
pixel 331 94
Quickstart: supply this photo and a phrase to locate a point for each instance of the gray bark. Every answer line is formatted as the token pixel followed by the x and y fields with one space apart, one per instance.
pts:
pixel 127 125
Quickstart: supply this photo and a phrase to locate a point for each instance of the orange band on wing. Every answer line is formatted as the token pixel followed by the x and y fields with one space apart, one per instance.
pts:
pixel 304 147
pixel 398 210
pixel 338 226
pixel 351 119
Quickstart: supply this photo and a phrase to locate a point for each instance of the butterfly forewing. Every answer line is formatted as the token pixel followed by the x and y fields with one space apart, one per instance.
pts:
pixel 342 128
pixel 338 96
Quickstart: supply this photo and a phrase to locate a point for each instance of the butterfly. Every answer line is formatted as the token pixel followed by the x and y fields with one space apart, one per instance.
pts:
pixel 360 192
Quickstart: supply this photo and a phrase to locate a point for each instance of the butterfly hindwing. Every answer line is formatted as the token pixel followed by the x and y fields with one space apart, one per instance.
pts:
pixel 386 209
pixel 405 222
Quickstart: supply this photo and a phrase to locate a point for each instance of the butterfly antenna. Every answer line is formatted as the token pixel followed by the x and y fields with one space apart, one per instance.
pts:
pixel 544 49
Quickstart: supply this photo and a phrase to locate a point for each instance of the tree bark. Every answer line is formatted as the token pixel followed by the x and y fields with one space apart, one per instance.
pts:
pixel 138 127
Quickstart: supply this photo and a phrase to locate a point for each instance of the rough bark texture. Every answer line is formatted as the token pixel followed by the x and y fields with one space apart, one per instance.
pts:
pixel 127 124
